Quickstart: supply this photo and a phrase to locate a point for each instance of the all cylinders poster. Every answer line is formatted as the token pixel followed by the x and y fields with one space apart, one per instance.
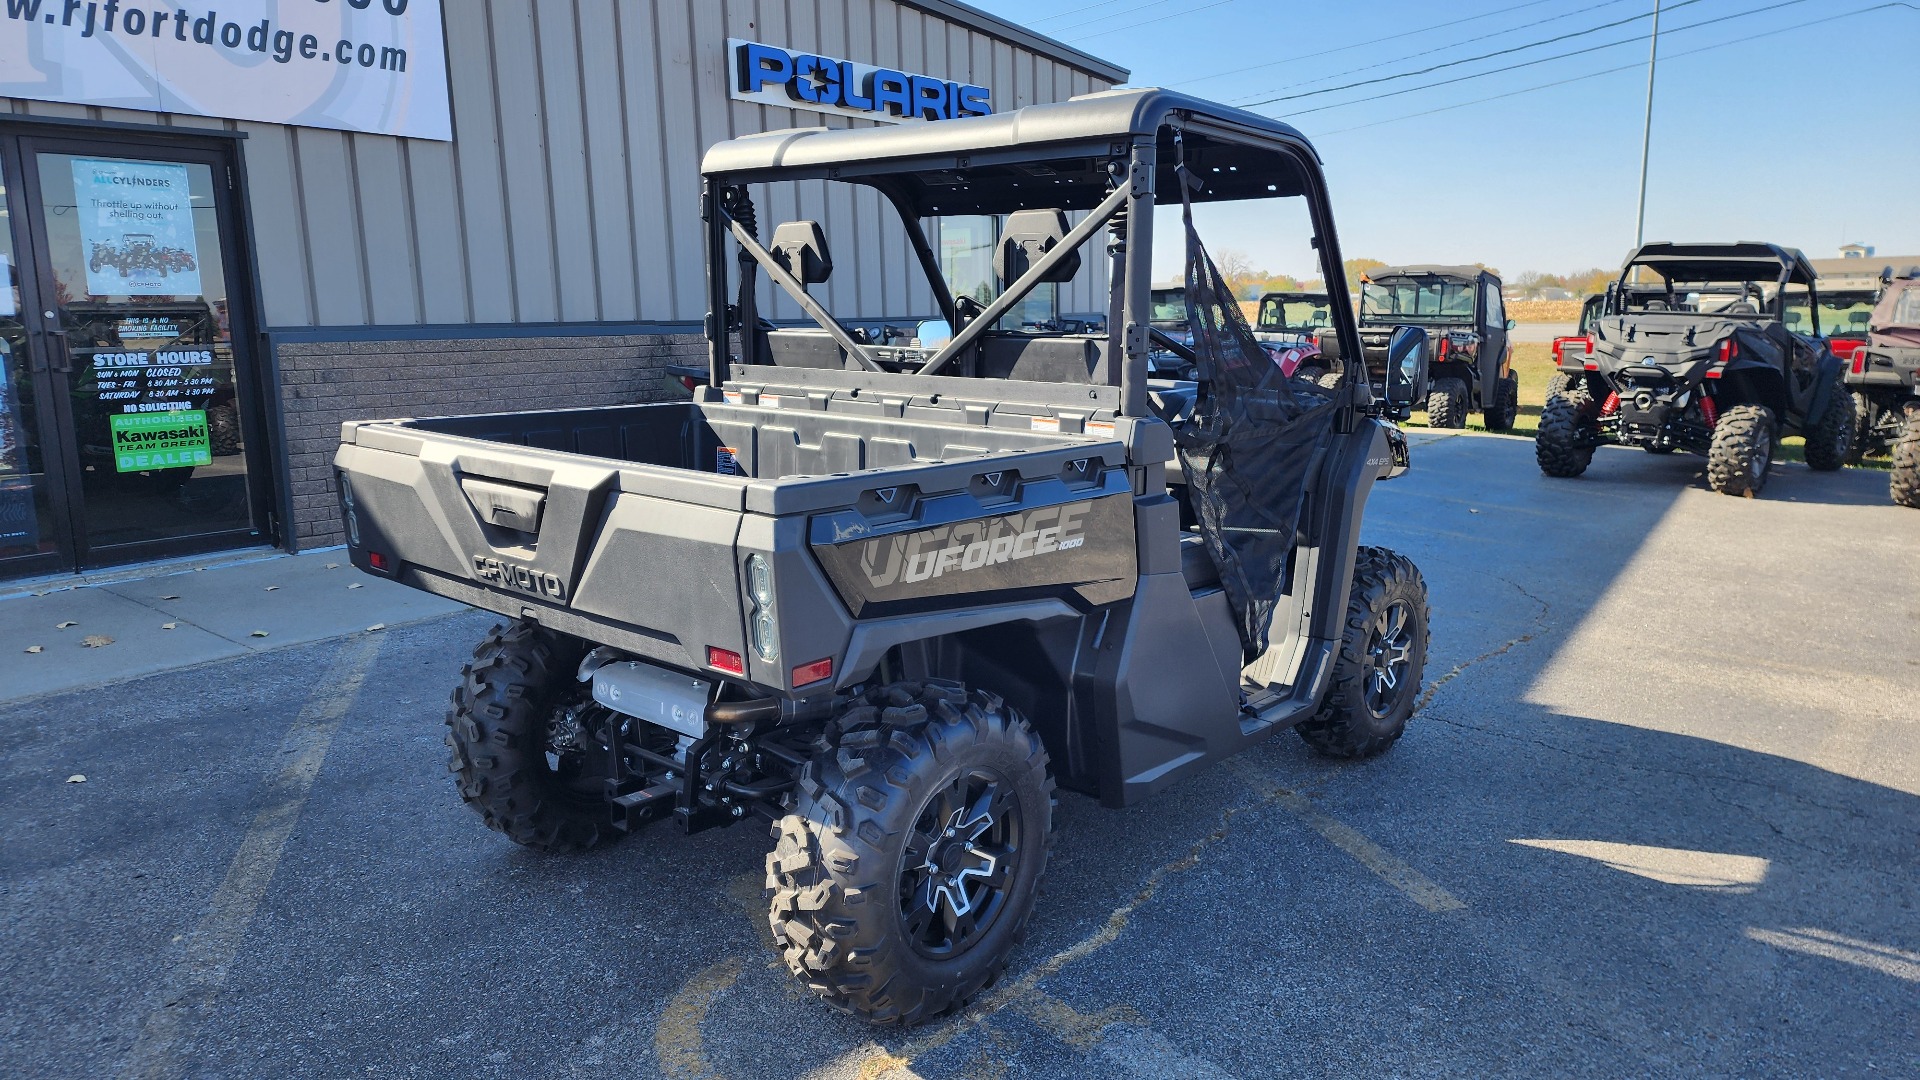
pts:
pixel 136 225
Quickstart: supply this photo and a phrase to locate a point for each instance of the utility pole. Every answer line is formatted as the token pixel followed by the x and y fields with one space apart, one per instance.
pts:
pixel 1646 137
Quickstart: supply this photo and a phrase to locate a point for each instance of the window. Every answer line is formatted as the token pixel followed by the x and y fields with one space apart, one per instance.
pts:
pixel 1428 298
pixel 967 246
pixel 1798 312
pixel 1496 307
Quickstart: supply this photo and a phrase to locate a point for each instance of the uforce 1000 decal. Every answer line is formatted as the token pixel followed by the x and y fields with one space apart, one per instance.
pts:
pixel 1083 547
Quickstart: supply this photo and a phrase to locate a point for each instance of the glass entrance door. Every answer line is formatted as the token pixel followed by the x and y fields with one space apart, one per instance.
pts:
pixel 33 511
pixel 128 292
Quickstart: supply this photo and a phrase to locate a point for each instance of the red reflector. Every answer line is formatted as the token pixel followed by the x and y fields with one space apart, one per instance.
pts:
pixel 1445 344
pixel 1728 350
pixel 377 561
pixel 726 660
pixel 814 672
pixel 1860 360
pixel 1592 365
pixel 1715 371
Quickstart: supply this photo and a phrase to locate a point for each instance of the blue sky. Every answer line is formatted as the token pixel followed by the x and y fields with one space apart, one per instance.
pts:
pixel 1809 137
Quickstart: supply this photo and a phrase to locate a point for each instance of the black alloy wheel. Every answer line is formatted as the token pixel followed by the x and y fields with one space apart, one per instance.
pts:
pixel 954 870
pixel 1389 658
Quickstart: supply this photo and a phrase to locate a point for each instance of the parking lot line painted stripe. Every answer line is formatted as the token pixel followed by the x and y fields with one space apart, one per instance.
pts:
pixel 1391 870
pixel 1412 883
pixel 678 1046
pixel 211 947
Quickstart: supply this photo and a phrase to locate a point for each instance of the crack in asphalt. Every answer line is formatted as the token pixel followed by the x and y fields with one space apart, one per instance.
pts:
pixel 1541 626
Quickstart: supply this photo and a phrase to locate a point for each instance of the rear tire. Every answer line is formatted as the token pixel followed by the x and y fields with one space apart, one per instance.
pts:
pixel 1506 409
pixel 498 732
pixel 1862 428
pixel 886 841
pixel 223 430
pixel 1312 373
pixel 1742 451
pixel 1447 404
pixel 1904 485
pixel 1830 442
pixel 1562 446
pixel 1383 654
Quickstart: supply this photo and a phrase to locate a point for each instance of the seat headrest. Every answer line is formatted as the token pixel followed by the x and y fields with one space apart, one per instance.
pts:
pixel 1029 235
pixel 800 247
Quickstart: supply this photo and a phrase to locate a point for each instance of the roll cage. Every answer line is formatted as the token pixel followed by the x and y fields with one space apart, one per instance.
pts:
pixel 1748 268
pixel 1110 156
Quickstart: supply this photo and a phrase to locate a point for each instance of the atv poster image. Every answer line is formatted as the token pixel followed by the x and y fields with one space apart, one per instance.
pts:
pixel 136 226
pixel 160 440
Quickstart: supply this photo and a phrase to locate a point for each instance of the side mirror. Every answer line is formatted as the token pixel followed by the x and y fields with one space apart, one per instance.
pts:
pixel 933 333
pixel 1513 324
pixel 1406 366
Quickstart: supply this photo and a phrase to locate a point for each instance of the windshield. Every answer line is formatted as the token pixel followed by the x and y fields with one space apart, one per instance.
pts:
pixel 1846 313
pixel 1169 305
pixel 1297 314
pixel 1426 298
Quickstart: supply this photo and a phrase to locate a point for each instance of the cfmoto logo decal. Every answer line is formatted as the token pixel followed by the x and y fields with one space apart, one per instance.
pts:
pixel 514 576
pixel 972 545
pixel 771 75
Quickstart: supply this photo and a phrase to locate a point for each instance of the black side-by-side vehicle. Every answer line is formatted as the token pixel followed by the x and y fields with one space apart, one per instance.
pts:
pixel 1714 349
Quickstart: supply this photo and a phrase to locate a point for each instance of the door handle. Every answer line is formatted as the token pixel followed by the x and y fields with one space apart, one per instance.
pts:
pixel 58 359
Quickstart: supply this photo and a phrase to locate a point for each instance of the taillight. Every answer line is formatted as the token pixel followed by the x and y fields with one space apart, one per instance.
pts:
pixel 814 672
pixel 1860 360
pixel 1445 344
pixel 726 660
pixel 1591 365
pixel 378 561
pixel 1729 349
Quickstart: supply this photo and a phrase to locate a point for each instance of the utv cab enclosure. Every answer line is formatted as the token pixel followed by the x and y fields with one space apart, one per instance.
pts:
pixel 887 596
pixel 1471 359
pixel 1884 374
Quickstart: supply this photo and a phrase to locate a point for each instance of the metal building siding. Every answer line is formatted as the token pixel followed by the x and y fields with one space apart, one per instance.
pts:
pixel 570 193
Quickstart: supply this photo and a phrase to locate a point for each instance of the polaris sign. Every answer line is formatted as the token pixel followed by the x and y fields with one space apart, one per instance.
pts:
pixel 770 75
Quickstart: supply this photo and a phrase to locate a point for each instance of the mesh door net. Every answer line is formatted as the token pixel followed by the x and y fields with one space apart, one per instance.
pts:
pixel 1246 447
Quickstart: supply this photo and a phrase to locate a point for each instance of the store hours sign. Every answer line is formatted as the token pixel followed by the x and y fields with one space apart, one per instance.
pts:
pixel 771 75
pixel 352 65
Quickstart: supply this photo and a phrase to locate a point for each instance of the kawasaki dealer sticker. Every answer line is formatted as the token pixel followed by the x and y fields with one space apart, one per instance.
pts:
pixel 161 440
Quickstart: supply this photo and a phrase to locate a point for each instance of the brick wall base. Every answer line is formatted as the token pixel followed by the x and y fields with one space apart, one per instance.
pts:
pixel 325 383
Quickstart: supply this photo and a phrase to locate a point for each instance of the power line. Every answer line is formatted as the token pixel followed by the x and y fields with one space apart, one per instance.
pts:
pixel 1075 11
pixel 1149 22
pixel 1616 70
pixel 1359 44
pixel 1108 15
pixel 1473 59
pixel 1542 60
pixel 1443 48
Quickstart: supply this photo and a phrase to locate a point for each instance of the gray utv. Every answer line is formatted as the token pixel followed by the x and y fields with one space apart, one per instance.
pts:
pixel 885 597
pixel 1470 363
pixel 1714 349
pixel 1884 375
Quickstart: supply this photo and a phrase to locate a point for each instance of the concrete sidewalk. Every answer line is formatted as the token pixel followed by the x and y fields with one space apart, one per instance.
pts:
pixel 65 633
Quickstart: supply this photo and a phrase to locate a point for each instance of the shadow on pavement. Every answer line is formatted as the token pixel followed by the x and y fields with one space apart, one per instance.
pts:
pixel 1633 900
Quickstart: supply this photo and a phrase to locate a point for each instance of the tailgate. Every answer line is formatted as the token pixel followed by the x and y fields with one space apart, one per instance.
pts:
pixel 580 543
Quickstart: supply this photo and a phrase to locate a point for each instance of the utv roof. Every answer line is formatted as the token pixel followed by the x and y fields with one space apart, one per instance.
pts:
pixel 1747 260
pixel 1464 273
pixel 1000 161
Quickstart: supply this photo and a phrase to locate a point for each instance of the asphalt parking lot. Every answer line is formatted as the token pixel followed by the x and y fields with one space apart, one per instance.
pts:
pixel 1660 815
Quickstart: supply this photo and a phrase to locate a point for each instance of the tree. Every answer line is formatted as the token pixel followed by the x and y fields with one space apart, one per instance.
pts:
pixel 1358 268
